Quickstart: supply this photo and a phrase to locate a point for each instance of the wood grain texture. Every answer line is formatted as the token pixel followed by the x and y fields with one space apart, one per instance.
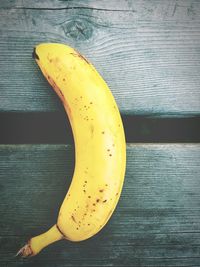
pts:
pixel 157 221
pixel 147 51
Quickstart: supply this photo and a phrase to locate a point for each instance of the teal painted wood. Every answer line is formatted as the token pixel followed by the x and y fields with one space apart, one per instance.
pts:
pixel 157 221
pixel 147 51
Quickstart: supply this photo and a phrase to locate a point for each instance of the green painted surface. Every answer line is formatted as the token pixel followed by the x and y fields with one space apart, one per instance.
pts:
pixel 157 221
pixel 147 51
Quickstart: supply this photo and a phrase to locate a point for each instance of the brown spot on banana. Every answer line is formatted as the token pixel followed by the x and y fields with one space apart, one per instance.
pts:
pixel 73 218
pixel 49 59
pixel 58 92
pixel 92 130
pixel 77 54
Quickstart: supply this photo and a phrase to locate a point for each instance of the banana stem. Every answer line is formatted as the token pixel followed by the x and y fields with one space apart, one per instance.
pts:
pixel 37 243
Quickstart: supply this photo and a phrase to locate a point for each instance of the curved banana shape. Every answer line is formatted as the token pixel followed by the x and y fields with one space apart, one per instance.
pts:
pixel 100 148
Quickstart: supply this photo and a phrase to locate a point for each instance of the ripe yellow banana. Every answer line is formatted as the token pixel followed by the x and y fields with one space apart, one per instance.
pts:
pixel 100 148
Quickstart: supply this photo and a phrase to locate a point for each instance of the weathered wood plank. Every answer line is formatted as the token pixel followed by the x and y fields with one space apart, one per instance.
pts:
pixel 157 221
pixel 147 51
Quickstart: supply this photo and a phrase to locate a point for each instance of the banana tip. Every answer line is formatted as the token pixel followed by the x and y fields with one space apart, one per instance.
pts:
pixel 25 251
pixel 34 54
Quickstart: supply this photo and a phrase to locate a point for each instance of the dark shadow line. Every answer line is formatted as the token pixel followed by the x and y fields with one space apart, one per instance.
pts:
pixel 68 8
pixel 54 128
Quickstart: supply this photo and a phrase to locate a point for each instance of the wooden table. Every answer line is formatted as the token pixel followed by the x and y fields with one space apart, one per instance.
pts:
pixel 149 54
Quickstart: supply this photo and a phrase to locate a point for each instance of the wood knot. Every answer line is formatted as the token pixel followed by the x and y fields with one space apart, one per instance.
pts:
pixel 79 30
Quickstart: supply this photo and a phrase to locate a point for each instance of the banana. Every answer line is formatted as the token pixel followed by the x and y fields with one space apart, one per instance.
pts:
pixel 100 147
